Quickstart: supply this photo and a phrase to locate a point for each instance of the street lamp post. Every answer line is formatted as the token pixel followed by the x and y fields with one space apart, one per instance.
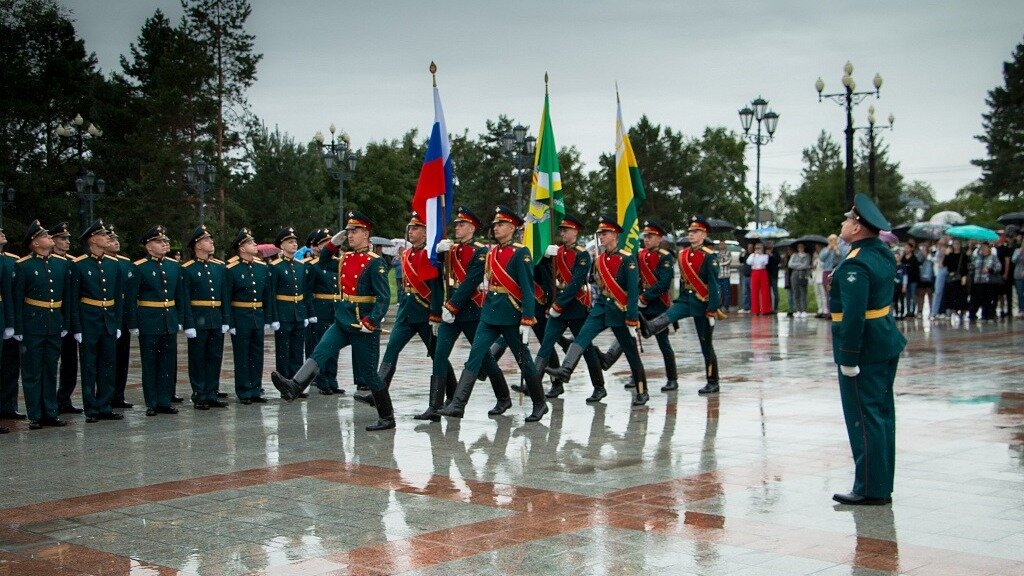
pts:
pixel 871 127
pixel 86 185
pixel 519 149
pixel 848 98
pixel 89 188
pixel 770 119
pixel 6 196
pixel 200 177
pixel 338 156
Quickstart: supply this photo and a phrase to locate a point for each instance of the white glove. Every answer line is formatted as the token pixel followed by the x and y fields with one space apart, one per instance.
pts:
pixel 118 333
pixel 711 321
pixel 267 329
pixel 636 332
pixel 312 320
pixel 444 245
pixel 180 327
pixel 552 313
pixel 224 329
pixel 18 337
pixel 63 333
pixel 524 334
pixel 433 328
pixel 305 323
pixel 552 251
pixel 364 329
pixel 8 332
pixel 275 326
pixel 446 316
pixel 849 371
pixel 338 238
pixel 231 330
pixel 78 337
pixel 641 304
pixel 190 333
pixel 133 331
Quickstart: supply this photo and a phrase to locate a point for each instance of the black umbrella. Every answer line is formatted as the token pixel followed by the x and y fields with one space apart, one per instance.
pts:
pixel 719 225
pixel 812 239
pixel 1012 218
pixel 902 231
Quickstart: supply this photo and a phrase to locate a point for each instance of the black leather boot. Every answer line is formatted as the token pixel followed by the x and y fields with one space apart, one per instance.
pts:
pixel 649 328
pixel 386 372
pixel 641 397
pixel 435 402
pixel 457 407
pixel 565 342
pixel 540 406
pixel 291 388
pixel 711 369
pixel 385 412
pixel 671 374
pixel 497 350
pixel 572 358
pixel 599 393
pixel 608 358
pixel 557 389
pixel 501 394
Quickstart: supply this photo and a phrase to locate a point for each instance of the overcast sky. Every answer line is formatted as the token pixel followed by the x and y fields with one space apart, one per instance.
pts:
pixel 363 66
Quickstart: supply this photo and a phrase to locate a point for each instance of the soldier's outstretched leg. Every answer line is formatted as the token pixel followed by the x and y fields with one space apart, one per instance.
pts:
pixel 572 358
pixel 652 327
pixel 637 374
pixel 502 396
pixel 456 408
pixel 611 356
pixel 290 388
pixel 385 411
pixel 385 373
pixel 590 356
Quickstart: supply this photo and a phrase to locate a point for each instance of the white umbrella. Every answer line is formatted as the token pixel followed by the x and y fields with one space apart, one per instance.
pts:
pixel 948 217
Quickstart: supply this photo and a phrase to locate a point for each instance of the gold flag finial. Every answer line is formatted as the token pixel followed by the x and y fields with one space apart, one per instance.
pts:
pixel 433 72
pixel 545 83
pixel 617 101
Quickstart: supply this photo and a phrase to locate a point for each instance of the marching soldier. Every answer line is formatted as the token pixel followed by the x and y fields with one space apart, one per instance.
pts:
pixel 324 286
pixel 572 301
pixel 248 290
pixel 365 296
pixel 206 312
pixel 156 306
pixel 68 347
pixel 413 318
pixel 292 312
pixel 698 299
pixel 124 341
pixel 866 345
pixel 508 311
pixel 456 305
pixel 97 307
pixel 42 286
pixel 9 361
pixel 656 273
pixel 615 308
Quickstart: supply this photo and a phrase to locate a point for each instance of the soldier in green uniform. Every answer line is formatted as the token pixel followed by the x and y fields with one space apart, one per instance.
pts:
pixel 656 273
pixel 68 347
pixel 9 365
pixel 698 298
pixel 156 307
pixel 572 265
pixel 248 290
pixel 324 286
pixel 292 309
pixel 206 312
pixel 42 287
pixel 124 341
pixel 866 346
pixel 97 308
pixel 365 297
pixel 455 310
pixel 508 311
pixel 615 308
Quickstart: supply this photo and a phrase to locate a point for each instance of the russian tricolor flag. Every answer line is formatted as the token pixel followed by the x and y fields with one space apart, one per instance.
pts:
pixel 434 191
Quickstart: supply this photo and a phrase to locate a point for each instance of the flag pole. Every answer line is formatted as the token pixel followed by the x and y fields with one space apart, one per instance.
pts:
pixel 446 267
pixel 551 192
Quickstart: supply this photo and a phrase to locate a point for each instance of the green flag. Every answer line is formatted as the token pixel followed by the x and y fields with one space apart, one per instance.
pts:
pixel 629 187
pixel 546 191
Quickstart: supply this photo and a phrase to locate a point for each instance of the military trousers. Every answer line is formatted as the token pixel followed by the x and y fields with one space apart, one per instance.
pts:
pixel 10 371
pixel 328 379
pixel 68 370
pixel 487 334
pixel 664 344
pixel 205 358
pixel 594 325
pixel 447 335
pixel 97 357
pixel 553 331
pixel 123 349
pixel 705 334
pixel 39 356
pixel 403 333
pixel 870 413
pixel 247 346
pixel 159 357
pixel 288 352
pixel 364 367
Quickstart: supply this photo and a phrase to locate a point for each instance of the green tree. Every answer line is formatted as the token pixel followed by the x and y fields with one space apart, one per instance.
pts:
pixel 384 183
pixel 889 184
pixel 816 205
pixel 1002 175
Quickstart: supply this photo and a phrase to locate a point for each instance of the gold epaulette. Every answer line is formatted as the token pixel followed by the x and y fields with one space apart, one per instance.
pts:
pixel 478 244
pixel 853 253
pixel 707 249
pixel 11 256
pixel 233 259
pixel 215 261
pixel 139 261
pixel 663 252
pixel 373 254
pixel 233 264
pixel 23 258
pixel 580 248
pixel 312 260
pixel 119 257
pixel 625 252
pixel 257 261
pixel 78 258
pixel 518 245
pixel 57 256
pixel 187 264
pixel 276 261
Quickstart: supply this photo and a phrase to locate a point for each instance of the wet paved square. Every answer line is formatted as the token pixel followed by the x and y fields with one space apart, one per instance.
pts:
pixel 738 484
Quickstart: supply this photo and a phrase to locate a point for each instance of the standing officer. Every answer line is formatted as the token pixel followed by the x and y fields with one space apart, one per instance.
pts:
pixel 248 290
pixel 324 286
pixel 124 341
pixel 156 306
pixel 456 305
pixel 419 280
pixel 508 311
pixel 572 301
pixel 68 347
pixel 365 296
pixel 9 361
pixel 42 286
pixel 292 311
pixel 615 308
pixel 866 345
pixel 206 312
pixel 656 273
pixel 97 307
pixel 698 298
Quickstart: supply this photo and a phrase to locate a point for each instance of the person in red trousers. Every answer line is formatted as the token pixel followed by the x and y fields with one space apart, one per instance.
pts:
pixel 760 296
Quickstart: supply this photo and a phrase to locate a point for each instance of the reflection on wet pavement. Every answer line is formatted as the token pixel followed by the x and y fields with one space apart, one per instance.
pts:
pixel 735 484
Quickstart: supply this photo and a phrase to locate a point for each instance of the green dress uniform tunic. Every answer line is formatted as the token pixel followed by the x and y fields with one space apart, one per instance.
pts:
pixel 292 308
pixel 124 342
pixel 207 310
pixel 97 310
pixel 324 286
pixel 42 290
pixel 700 299
pixel 248 290
pixel 864 334
pixel 156 307
pixel 9 365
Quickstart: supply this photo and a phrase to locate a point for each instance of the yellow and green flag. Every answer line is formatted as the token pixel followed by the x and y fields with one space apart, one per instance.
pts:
pixel 629 187
pixel 545 191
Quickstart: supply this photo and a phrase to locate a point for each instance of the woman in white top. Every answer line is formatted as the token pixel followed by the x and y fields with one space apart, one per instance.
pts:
pixel 760 296
pixel 818 278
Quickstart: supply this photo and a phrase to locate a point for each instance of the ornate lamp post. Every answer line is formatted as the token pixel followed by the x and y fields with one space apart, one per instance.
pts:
pixel 337 157
pixel 86 185
pixel 519 149
pixel 6 197
pixel 871 127
pixel 89 188
pixel 758 110
pixel 200 177
pixel 848 98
